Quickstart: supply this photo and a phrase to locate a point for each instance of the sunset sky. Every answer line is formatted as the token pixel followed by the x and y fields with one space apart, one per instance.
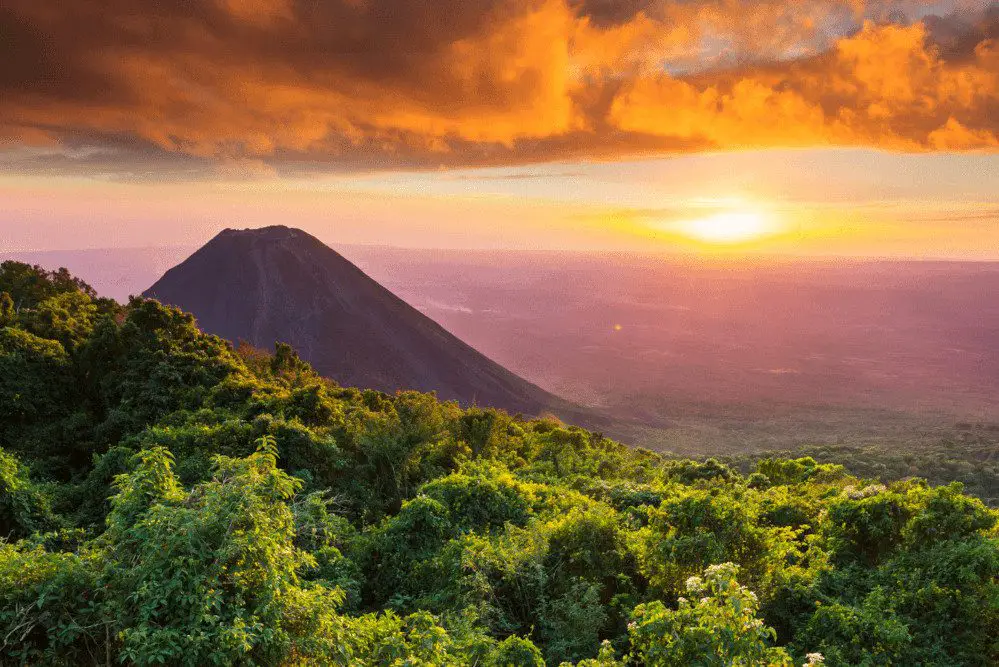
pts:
pixel 817 127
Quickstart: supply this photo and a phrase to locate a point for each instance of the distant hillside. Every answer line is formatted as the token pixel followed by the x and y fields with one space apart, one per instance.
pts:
pixel 279 284
pixel 117 273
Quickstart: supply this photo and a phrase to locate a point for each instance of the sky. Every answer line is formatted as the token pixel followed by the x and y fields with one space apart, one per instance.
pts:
pixel 819 127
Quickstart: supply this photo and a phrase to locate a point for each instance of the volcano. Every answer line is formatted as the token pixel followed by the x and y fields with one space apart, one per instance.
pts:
pixel 279 284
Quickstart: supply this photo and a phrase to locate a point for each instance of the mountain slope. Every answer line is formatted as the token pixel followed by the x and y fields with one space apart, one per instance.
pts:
pixel 281 284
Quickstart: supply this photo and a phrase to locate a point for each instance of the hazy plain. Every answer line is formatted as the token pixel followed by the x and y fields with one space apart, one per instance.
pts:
pixel 707 354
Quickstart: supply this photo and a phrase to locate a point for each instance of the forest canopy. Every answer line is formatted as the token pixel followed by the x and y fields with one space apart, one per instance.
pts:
pixel 168 498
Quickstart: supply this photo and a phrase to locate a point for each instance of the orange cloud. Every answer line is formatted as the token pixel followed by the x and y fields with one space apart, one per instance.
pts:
pixel 259 12
pixel 291 85
pixel 886 86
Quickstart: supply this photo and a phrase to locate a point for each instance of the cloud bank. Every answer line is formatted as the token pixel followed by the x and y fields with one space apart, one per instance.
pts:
pixel 144 88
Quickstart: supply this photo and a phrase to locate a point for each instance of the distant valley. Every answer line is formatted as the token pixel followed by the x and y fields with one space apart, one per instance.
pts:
pixel 711 355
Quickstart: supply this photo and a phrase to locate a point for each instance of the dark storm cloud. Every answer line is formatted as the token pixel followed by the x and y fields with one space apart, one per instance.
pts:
pixel 959 34
pixel 612 12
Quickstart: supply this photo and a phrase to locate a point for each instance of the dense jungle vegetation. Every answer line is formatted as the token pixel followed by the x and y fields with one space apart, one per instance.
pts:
pixel 168 499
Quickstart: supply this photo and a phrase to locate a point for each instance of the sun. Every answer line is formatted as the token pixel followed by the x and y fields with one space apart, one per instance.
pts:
pixel 728 227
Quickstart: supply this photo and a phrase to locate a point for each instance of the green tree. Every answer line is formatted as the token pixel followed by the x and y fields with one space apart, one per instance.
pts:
pixel 153 363
pixel 29 285
pixel 210 576
pixel 24 508
pixel 718 626
pixel 37 391
pixel 695 528
pixel 516 652
pixel 7 312
pixel 68 317
pixel 49 611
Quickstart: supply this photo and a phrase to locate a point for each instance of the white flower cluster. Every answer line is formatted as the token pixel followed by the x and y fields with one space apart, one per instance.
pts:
pixel 853 493
pixel 726 570
pixel 814 659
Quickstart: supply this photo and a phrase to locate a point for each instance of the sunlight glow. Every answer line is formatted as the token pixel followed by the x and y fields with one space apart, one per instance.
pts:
pixel 728 227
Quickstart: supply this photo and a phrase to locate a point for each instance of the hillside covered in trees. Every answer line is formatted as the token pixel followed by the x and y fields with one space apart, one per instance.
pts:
pixel 168 499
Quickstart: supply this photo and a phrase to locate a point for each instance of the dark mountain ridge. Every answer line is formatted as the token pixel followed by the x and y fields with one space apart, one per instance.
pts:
pixel 279 284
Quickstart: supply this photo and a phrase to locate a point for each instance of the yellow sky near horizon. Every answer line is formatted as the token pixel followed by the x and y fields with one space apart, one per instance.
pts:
pixel 809 203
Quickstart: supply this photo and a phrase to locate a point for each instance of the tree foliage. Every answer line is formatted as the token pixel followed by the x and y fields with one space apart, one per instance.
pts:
pixel 166 498
pixel 717 627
